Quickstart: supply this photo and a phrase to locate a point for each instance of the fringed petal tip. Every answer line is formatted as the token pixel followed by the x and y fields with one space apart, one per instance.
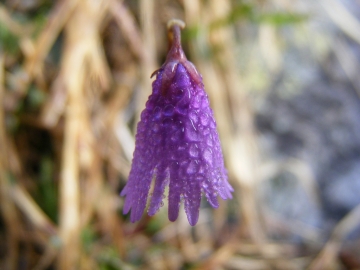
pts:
pixel 191 198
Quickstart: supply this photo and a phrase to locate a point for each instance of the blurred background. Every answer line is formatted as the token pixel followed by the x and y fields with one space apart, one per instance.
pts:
pixel 283 80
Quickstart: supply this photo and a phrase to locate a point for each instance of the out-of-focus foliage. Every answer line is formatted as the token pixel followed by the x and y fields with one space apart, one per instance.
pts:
pixel 9 42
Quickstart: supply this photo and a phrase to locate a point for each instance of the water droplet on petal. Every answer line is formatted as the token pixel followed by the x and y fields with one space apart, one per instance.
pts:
pixel 144 116
pixel 182 106
pixel 205 103
pixel 207 131
pixel 167 122
pixel 169 110
pixel 196 102
pixel 208 156
pixel 204 118
pixel 156 138
pixel 178 93
pixel 209 141
pixel 193 167
pixel 194 150
pixel 157 113
pixel 212 123
pixel 191 133
pixel 194 117
pixel 177 136
pixel 150 104
pixel 155 127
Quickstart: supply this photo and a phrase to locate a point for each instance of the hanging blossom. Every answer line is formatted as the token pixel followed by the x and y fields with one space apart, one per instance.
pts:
pixel 177 144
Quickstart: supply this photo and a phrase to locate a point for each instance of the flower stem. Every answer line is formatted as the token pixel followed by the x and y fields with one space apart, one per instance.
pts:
pixel 176 52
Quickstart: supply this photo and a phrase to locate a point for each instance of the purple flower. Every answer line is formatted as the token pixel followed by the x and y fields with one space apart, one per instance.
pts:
pixel 177 144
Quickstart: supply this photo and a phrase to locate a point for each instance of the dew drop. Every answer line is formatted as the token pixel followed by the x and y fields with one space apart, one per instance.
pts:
pixel 167 122
pixel 182 106
pixel 194 117
pixel 204 118
pixel 177 136
pixel 157 113
pixel 188 92
pixel 155 127
pixel 178 93
pixel 192 123
pixel 209 141
pixel 191 134
pixel 142 159
pixel 156 138
pixel 193 167
pixel 174 127
pixel 144 116
pixel 150 104
pixel 194 150
pixel 205 103
pixel 169 110
pixel 196 102
pixel 212 123
pixel 207 131
pixel 208 156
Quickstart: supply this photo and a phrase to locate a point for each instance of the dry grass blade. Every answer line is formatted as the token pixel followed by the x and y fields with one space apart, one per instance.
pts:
pixel 69 194
pixel 15 27
pixel 239 262
pixel 220 257
pixel 2 116
pixel 8 210
pixel 308 233
pixel 348 62
pixel 328 256
pixel 343 18
pixel 73 70
pixel 60 15
pixel 44 229
pixel 83 61
pixel 127 24
pixel 270 47
pixel 54 107
pixel 148 63
pixel 111 225
pixel 47 258
pixel 92 54
pixel 114 119
pixel 32 211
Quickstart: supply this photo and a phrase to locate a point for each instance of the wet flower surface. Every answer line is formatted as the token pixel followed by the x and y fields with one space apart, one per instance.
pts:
pixel 177 144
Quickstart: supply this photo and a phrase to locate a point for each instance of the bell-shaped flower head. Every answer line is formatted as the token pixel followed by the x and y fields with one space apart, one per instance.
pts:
pixel 177 144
